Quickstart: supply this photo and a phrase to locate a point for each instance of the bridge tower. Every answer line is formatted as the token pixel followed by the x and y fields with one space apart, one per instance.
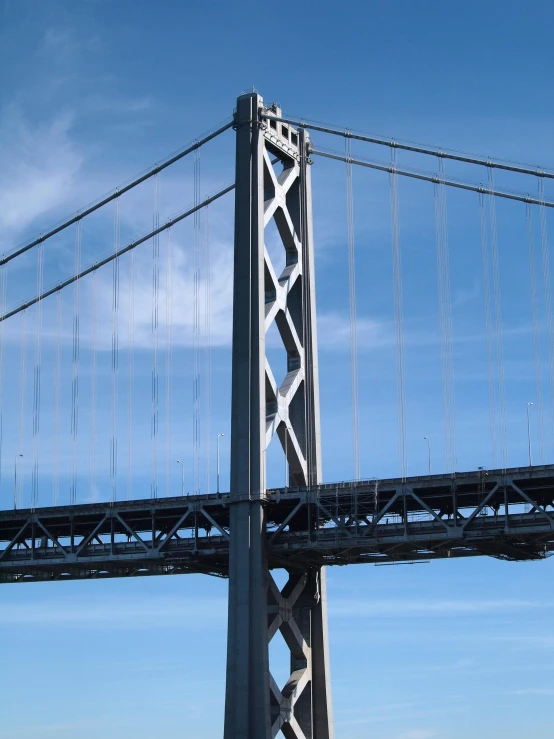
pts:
pixel 273 182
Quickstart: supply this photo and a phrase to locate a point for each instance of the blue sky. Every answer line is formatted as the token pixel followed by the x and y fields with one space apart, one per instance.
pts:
pixel 94 93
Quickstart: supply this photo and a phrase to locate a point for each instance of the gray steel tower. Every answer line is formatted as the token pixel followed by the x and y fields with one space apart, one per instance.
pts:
pixel 273 182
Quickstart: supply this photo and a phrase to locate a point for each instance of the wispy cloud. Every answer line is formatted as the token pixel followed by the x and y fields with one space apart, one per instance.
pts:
pixel 538 641
pixel 48 730
pixel 178 295
pixel 533 691
pixel 333 330
pixel 387 713
pixel 203 613
pixel 408 608
pixel 40 166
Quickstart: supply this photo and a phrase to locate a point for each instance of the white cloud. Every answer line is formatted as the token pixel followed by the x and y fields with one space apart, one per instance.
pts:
pixel 40 167
pixel 181 314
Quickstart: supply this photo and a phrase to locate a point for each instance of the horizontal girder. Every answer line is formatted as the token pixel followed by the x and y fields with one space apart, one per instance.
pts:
pixel 509 515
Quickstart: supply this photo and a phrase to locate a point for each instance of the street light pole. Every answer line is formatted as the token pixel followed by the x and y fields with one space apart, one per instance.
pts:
pixel 182 477
pixel 428 452
pixel 218 437
pixel 529 435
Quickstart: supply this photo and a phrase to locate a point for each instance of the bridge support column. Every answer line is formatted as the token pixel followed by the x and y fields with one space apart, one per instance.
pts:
pixel 301 708
pixel 273 183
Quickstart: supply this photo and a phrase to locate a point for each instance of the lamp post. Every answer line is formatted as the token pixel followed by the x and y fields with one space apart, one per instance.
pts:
pixel 15 481
pixel 529 434
pixel 218 437
pixel 428 452
pixel 182 477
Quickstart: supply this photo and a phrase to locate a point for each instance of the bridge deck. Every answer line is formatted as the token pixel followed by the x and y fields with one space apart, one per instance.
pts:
pixel 505 514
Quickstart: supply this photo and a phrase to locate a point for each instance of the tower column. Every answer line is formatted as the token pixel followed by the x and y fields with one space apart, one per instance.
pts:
pixel 273 183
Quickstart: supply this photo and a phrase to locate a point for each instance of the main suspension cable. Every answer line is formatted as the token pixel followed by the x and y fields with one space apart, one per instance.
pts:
pixel 434 152
pixel 119 191
pixel 414 174
pixel 110 258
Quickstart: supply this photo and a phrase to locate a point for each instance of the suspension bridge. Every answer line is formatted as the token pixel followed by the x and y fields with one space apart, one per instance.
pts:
pixel 76 405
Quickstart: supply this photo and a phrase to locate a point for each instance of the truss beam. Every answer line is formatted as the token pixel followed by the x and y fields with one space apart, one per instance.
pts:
pixel 305 528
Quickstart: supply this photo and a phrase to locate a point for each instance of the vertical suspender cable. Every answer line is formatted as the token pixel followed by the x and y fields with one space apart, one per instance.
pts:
pixel 196 330
pixel 208 343
pixel 57 385
pixel 498 322
pixel 75 378
pixel 352 306
pixel 536 335
pixel 168 378
pixel 547 294
pixel 115 354
pixel 155 315
pixel 307 331
pixel 398 318
pixel 93 388
pixel 131 374
pixel 23 386
pixel 37 376
pixel 488 326
pixel 3 290
pixel 445 320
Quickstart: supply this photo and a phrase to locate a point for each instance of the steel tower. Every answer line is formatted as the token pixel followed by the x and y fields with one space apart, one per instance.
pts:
pixel 273 182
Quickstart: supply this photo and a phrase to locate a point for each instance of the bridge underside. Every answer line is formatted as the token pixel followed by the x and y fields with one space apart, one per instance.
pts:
pixel 508 515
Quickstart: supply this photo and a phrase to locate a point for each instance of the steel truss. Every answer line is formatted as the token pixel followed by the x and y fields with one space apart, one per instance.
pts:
pixel 508 515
